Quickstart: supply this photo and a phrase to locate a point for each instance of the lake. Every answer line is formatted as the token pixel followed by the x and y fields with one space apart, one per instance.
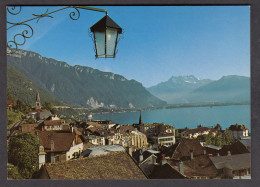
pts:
pixel 189 116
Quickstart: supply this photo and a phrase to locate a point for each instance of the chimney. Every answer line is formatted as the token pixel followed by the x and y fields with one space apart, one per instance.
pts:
pixel 205 152
pixel 164 161
pixel 218 154
pixel 141 158
pixel 72 129
pixel 191 154
pixel 52 145
pixel 228 153
pixel 181 167
pixel 41 156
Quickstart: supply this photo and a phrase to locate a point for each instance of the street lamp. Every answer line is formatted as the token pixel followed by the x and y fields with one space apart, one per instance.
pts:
pixel 106 33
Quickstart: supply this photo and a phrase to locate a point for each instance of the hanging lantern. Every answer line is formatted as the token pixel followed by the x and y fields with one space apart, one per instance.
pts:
pixel 106 33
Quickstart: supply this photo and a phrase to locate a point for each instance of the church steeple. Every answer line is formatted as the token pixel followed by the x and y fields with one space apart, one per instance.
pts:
pixel 38 101
pixel 140 119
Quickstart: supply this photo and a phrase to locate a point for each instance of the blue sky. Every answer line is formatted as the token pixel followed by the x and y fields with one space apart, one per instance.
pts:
pixel 159 41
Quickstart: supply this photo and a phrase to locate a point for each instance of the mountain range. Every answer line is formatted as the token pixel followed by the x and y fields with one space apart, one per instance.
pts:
pixel 189 89
pixel 81 86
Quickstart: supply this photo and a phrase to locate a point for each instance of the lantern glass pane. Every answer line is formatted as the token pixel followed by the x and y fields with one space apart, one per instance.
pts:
pixel 100 43
pixel 111 39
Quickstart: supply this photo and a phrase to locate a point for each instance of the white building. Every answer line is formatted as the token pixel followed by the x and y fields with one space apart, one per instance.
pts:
pixel 238 131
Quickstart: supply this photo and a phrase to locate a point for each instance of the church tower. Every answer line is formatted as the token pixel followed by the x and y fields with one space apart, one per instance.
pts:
pixel 140 119
pixel 38 101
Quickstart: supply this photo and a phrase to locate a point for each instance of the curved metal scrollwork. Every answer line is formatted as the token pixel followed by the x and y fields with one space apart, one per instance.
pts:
pixel 20 38
pixel 12 9
pixel 75 15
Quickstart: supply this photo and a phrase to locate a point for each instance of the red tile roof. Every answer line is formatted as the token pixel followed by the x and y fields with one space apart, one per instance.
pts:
pixel 62 140
pixel 235 148
pixel 166 172
pixel 183 149
pixel 126 128
pixel 28 127
pixel 116 165
pixel 52 122
pixel 200 165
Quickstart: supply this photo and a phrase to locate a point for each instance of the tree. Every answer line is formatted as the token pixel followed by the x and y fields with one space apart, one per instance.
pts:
pixel 219 140
pixel 12 172
pixel 22 107
pixel 13 117
pixel 210 139
pixel 49 106
pixel 228 137
pixel 23 153
pixel 9 95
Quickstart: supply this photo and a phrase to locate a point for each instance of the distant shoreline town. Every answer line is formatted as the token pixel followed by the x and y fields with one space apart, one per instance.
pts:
pixel 44 145
pixel 169 106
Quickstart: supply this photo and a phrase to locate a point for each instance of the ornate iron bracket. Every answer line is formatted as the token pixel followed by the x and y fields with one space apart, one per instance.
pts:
pixel 20 38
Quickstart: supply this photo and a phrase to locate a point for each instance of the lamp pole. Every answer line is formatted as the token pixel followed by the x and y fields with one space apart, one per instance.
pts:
pixel 28 32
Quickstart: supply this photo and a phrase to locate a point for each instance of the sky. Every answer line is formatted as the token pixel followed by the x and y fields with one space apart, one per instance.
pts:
pixel 158 42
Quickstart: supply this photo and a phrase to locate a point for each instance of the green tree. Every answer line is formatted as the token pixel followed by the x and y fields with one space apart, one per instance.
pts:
pixel 23 153
pixel 12 172
pixel 13 117
pixel 22 107
pixel 219 140
pixel 228 137
pixel 210 139
pixel 9 95
pixel 49 106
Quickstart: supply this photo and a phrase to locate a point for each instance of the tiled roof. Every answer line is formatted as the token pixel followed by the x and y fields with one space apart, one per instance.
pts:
pixel 118 165
pixel 235 162
pixel 200 166
pixel 94 129
pixel 235 148
pixel 28 127
pixel 66 127
pixel 165 172
pixel 93 124
pixel 237 127
pixel 183 149
pixel 62 141
pixel 137 153
pixel 101 132
pixel 126 128
pixel 52 122
pixel 246 143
